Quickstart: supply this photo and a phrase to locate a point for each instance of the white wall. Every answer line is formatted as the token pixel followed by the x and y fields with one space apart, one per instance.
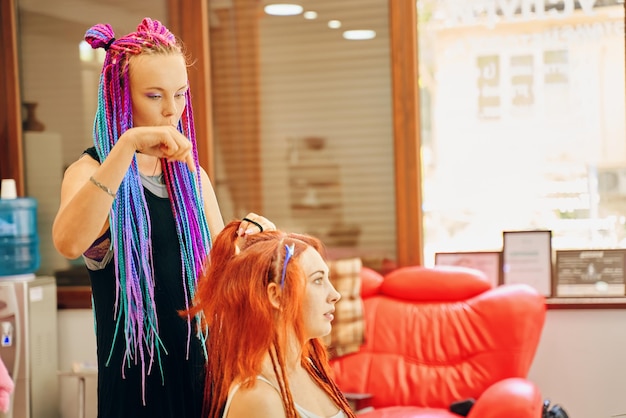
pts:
pixel 77 344
pixel 580 363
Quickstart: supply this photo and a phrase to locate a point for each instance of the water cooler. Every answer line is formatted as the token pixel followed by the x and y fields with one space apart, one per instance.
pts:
pixel 28 311
pixel 28 344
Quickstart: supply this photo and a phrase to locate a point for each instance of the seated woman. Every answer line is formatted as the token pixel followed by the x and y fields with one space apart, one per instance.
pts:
pixel 267 300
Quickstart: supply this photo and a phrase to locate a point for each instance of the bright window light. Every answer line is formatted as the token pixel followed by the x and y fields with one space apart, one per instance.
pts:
pixel 334 24
pixel 358 35
pixel 85 51
pixel 283 9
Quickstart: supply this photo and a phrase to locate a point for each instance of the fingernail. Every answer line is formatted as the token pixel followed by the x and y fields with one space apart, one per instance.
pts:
pixel 240 232
pixel 251 231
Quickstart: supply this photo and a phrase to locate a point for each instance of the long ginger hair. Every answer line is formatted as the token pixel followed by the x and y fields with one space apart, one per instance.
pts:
pixel 243 325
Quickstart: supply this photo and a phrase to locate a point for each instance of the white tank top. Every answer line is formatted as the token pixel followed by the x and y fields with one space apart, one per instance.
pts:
pixel 301 411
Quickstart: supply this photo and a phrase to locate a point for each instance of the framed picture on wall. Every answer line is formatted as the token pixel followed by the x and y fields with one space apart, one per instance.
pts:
pixel 590 273
pixel 527 258
pixel 488 262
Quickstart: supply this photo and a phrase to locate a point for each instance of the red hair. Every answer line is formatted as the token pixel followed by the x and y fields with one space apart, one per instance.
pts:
pixel 243 325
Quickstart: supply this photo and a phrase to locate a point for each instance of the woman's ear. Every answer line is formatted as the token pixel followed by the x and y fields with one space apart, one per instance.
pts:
pixel 274 294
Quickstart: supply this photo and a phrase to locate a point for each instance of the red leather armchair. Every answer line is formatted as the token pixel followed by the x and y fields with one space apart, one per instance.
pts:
pixel 434 336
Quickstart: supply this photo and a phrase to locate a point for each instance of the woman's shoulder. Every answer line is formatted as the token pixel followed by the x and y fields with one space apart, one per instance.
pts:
pixel 260 400
pixel 91 151
pixel 85 165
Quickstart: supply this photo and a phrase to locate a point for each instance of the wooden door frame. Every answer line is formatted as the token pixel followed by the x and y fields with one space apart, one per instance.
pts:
pixel 11 149
pixel 406 131
pixel 189 20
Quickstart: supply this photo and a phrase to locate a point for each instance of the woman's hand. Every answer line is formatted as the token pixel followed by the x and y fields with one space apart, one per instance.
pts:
pixel 162 142
pixel 253 224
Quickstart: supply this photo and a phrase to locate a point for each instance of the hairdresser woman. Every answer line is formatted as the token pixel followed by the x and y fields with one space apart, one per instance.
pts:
pixel 142 212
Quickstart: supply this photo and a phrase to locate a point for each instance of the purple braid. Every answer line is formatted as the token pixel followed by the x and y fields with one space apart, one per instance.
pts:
pixel 135 309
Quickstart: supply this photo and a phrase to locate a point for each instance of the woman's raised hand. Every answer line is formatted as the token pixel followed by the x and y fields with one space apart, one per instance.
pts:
pixel 253 223
pixel 162 142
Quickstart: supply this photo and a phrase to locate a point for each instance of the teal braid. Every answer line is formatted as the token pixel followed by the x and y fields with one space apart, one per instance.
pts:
pixel 129 218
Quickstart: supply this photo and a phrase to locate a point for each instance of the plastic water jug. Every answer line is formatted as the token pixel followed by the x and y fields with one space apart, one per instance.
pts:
pixel 19 241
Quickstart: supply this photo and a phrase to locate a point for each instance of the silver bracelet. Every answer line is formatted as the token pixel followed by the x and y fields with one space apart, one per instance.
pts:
pixel 102 187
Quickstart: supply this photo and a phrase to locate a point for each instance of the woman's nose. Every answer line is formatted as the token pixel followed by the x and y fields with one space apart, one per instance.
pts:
pixel 334 295
pixel 169 107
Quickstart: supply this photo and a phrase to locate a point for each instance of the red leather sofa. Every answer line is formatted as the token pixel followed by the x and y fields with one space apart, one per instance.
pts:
pixel 438 335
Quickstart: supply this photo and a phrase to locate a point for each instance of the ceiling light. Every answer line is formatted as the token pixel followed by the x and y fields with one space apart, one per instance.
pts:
pixel 359 35
pixel 334 24
pixel 283 9
pixel 310 15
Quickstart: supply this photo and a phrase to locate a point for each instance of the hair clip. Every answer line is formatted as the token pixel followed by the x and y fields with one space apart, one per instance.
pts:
pixel 288 254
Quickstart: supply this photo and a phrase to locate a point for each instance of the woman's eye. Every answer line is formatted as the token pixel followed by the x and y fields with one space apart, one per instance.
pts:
pixel 318 280
pixel 154 96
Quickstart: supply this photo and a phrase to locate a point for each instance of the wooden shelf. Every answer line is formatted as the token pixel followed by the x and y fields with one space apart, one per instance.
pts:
pixel 73 297
pixel 73 288
pixel 315 195
pixel 79 297
pixel 586 303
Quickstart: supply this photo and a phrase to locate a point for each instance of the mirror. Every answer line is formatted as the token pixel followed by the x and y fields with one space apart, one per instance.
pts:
pixel 318 143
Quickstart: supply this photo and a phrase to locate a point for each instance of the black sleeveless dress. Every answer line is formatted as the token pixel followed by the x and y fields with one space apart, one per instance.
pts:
pixel 179 392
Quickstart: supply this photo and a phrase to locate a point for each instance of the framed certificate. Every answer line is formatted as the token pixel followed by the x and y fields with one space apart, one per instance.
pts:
pixel 527 258
pixel 590 273
pixel 489 262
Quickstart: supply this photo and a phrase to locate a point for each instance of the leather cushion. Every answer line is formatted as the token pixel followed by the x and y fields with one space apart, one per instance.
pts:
pixel 438 284
pixel 371 280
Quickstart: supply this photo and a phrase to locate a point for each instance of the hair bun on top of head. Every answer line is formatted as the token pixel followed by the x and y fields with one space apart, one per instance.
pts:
pixel 156 29
pixel 100 36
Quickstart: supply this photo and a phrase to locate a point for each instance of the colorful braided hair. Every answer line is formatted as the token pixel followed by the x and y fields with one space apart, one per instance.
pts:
pixel 232 296
pixel 129 217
